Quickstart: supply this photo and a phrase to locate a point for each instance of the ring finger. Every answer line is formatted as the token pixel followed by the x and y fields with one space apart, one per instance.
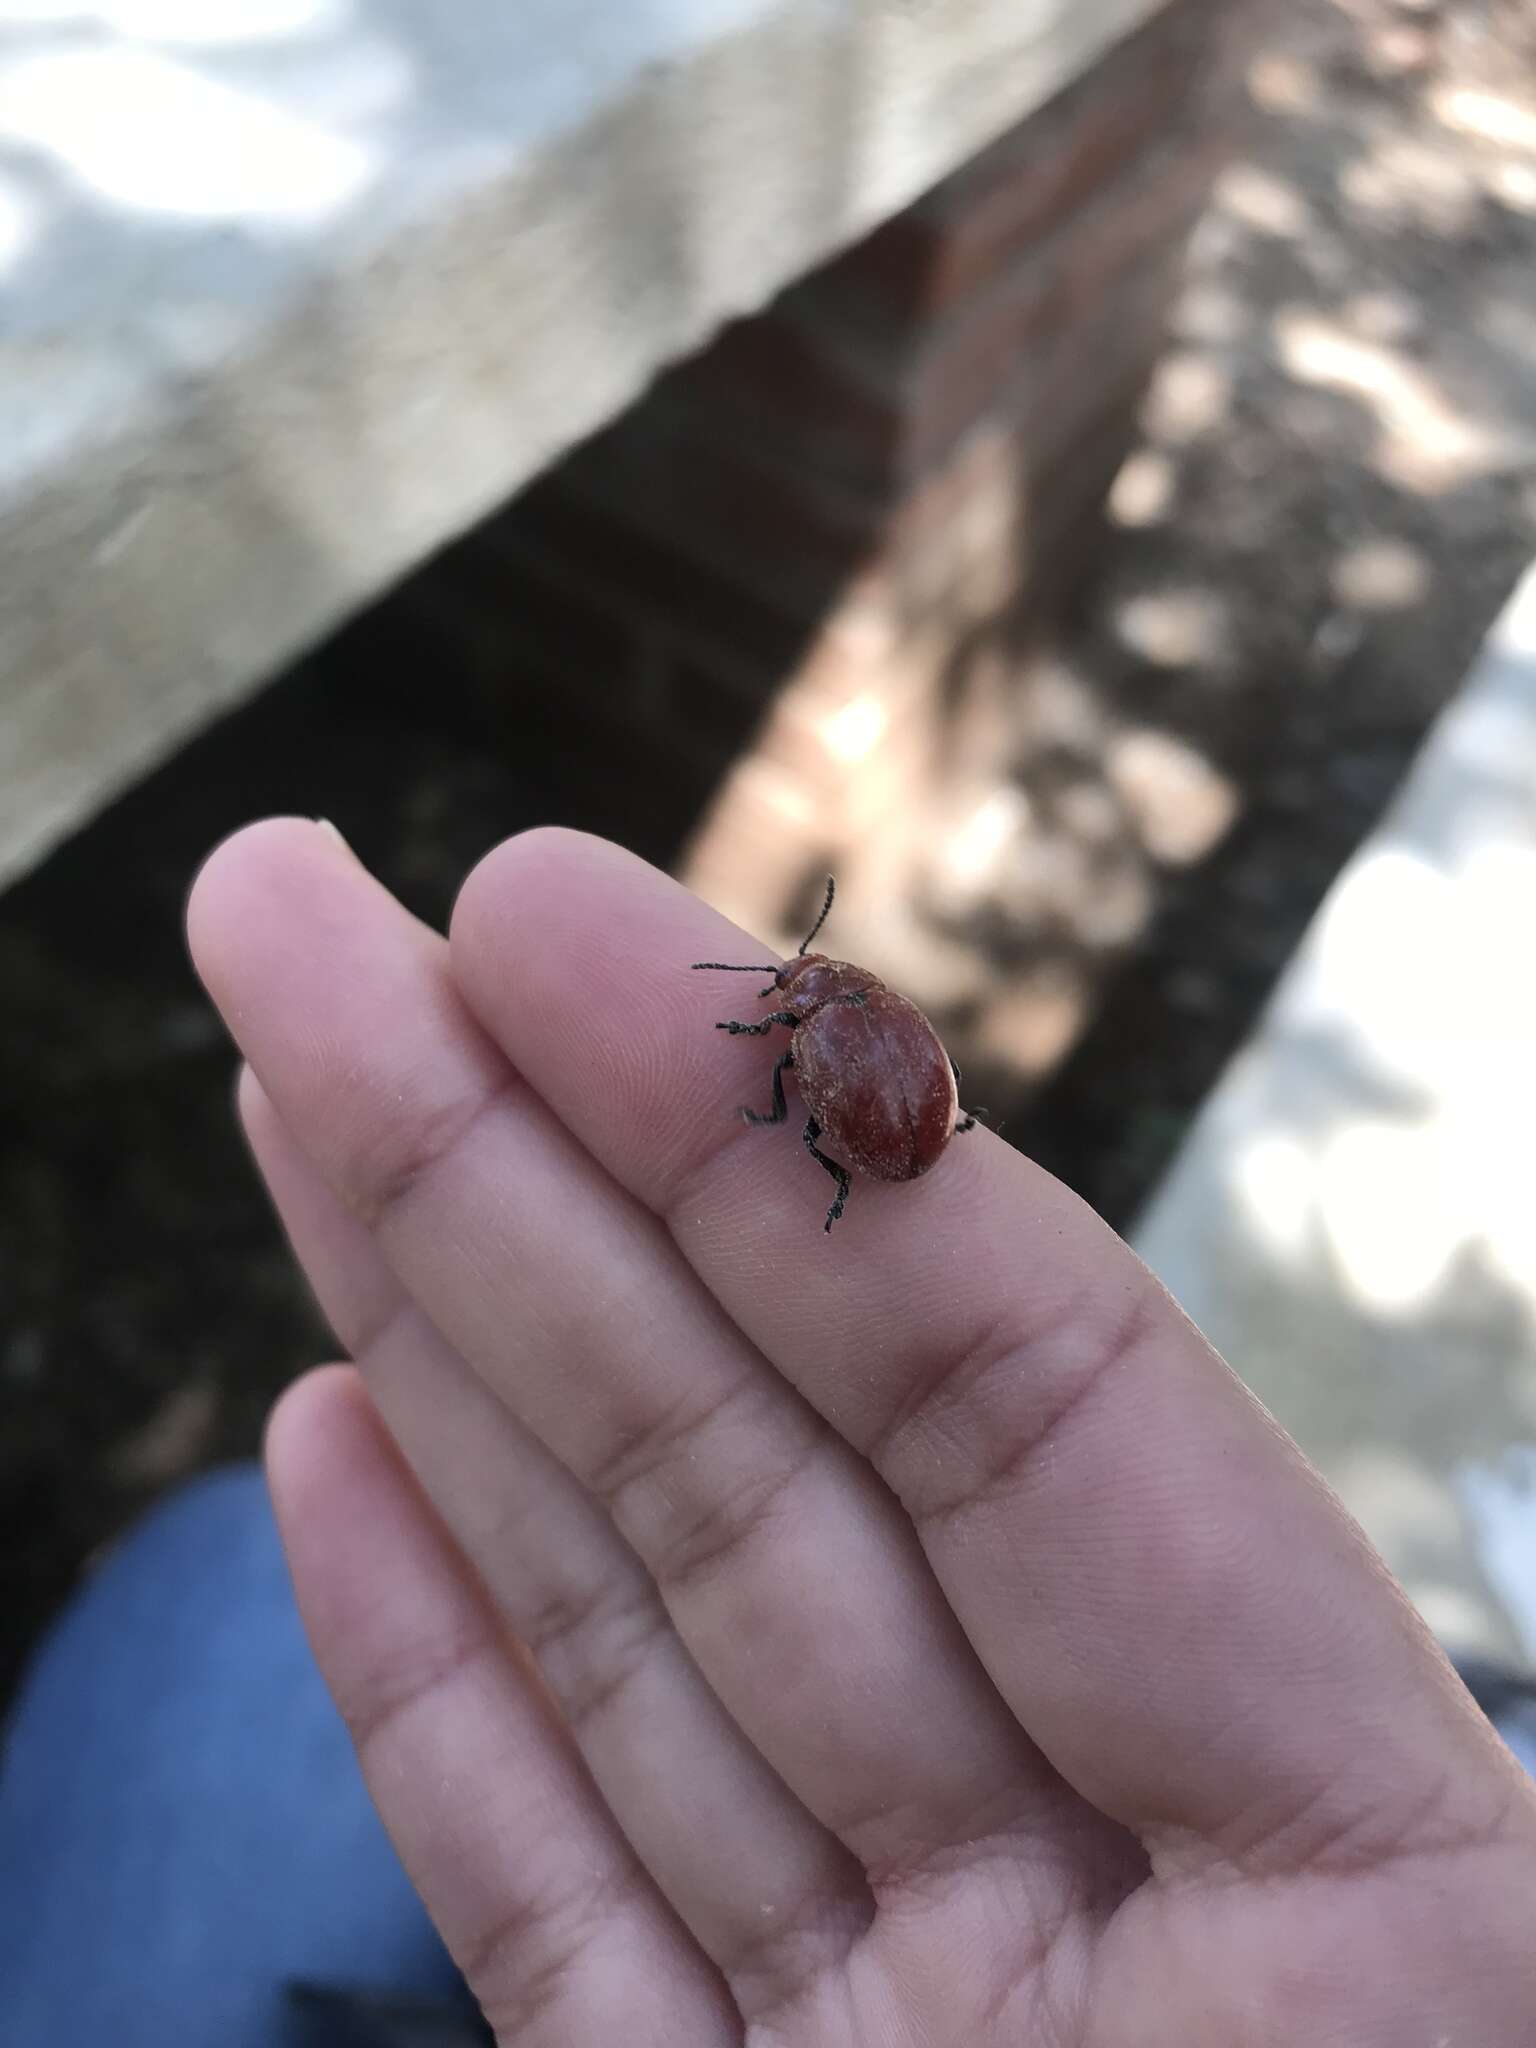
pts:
pixel 668 1760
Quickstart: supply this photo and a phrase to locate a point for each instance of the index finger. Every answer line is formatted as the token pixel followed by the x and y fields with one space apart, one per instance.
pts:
pixel 1179 1613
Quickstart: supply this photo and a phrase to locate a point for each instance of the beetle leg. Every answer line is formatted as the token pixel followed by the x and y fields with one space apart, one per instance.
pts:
pixel 967 1121
pixel 761 1028
pixel 839 1173
pixel 780 1108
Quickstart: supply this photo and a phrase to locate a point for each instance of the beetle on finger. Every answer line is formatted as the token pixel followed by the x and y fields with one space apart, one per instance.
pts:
pixel 873 1072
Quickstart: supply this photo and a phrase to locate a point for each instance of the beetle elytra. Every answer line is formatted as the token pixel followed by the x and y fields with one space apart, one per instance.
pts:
pixel 872 1070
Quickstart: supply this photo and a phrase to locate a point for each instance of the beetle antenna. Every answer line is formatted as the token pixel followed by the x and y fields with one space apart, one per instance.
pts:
pixel 816 927
pixel 724 967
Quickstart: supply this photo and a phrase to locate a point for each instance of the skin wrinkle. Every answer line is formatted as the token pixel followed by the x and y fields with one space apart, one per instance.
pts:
pixel 666 1435
pixel 405 1692
pixel 500 1949
pixel 779 1964
pixel 1005 1465
pixel 1328 1852
pixel 698 1552
pixel 378 1191
pixel 951 1375
pixel 632 1628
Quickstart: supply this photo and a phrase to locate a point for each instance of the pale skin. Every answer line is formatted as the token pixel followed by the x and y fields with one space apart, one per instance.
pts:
pixel 915 1638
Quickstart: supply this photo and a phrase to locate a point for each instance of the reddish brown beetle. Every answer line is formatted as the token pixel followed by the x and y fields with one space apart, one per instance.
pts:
pixel 872 1070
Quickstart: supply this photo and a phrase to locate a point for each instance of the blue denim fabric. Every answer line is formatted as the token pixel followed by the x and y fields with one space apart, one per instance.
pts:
pixel 183 1826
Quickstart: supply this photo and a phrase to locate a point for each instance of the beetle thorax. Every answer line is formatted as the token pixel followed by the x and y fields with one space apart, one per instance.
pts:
pixel 809 983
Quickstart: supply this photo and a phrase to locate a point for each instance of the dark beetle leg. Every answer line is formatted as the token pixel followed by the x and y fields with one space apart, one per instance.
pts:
pixel 760 1029
pixel 780 1108
pixel 967 1122
pixel 839 1173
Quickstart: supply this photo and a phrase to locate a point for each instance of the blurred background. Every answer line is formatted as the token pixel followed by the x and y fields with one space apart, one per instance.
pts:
pixel 1059 467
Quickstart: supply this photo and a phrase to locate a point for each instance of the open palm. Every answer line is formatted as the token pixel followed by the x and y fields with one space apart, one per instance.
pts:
pixel 909 1636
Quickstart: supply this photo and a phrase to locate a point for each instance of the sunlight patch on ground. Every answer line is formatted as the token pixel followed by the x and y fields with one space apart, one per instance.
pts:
pixel 1144 491
pixel 1263 202
pixel 1513 185
pixel 1272 1176
pixel 1485 115
pixel 1181 804
pixel 1426 444
pixel 1034 1024
pixel 1190 394
pixel 1281 82
pixel 1399 949
pixel 1174 628
pixel 1380 576
pixel 148 132
pixel 970 852
pixel 1368 946
pixel 1390 1213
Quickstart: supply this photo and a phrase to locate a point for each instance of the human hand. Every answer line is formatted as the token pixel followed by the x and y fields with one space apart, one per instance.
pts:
pixel 914 1635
